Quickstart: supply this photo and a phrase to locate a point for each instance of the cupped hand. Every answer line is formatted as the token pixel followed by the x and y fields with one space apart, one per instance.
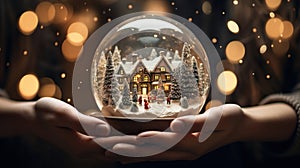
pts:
pixel 197 136
pixel 62 125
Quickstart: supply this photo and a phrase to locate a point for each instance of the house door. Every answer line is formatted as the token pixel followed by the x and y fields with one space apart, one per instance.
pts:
pixel 144 91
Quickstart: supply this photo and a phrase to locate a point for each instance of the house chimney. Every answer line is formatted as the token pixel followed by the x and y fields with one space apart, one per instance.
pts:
pixel 134 57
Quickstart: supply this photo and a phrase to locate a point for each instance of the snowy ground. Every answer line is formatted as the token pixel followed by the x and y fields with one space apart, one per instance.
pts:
pixel 163 110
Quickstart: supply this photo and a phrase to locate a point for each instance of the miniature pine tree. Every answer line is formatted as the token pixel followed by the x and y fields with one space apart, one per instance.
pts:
pixel 116 57
pixel 160 95
pixel 134 95
pixel 111 91
pixel 126 94
pixel 189 86
pixel 100 73
pixel 175 90
pixel 195 70
pixel 184 102
pixel 153 54
pixel 134 108
pixel 176 56
pixel 186 55
pixel 203 80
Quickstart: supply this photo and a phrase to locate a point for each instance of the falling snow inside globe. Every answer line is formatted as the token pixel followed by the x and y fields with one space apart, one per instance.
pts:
pixel 150 65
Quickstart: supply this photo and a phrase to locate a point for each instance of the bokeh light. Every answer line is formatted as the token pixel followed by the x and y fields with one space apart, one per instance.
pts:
pixel 273 4
pixel 156 5
pixel 77 33
pixel 45 12
pixel 233 26
pixel 263 48
pixel 274 28
pixel 28 22
pixel 47 87
pixel 61 13
pixel 70 51
pixel 227 82
pixel 288 29
pixel 28 86
pixel 235 51
pixel 206 8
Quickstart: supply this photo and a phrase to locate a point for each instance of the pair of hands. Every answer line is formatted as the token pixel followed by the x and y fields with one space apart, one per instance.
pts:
pixel 61 124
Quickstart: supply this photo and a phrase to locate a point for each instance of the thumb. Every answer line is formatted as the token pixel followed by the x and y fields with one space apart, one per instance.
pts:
pixel 64 115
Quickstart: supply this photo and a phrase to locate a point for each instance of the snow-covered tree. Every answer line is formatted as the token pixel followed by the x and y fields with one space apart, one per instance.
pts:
pixel 203 79
pixel 126 95
pixel 111 92
pixel 134 108
pixel 134 95
pixel 188 85
pixel 100 73
pixel 186 55
pixel 175 90
pixel 116 57
pixel 153 54
pixel 184 103
pixel 176 56
pixel 195 70
pixel 160 95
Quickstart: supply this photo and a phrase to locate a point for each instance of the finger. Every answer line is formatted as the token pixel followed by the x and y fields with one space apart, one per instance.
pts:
pixel 169 140
pixel 62 114
pixel 121 151
pixel 109 142
pixel 207 123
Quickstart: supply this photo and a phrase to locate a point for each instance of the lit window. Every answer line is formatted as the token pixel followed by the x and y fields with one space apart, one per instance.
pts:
pixel 136 77
pixel 141 69
pixel 121 80
pixel 146 78
pixel 121 72
pixel 168 77
pixel 166 87
pixel 156 77
pixel 162 69
pixel 156 87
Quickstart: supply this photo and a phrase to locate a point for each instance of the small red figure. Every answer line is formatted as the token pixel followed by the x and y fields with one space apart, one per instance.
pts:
pixel 140 100
pixel 146 104
pixel 168 100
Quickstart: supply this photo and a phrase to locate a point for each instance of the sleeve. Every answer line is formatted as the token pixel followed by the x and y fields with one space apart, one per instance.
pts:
pixel 3 93
pixel 292 146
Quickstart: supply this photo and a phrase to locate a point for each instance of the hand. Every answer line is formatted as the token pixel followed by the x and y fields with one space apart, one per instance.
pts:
pixel 62 125
pixel 193 145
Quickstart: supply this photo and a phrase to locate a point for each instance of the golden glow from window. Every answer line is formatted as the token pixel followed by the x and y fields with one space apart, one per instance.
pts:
pixel 162 69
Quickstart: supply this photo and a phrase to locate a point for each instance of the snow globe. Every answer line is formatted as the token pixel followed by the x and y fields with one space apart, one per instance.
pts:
pixel 150 66
pixel 142 70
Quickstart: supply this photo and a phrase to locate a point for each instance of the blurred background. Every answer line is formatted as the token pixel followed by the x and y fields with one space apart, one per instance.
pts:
pixel 40 42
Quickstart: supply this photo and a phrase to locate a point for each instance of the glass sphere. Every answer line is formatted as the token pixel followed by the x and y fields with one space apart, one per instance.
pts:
pixel 150 66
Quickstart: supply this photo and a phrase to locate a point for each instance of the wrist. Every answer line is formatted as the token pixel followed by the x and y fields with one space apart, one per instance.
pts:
pixel 16 118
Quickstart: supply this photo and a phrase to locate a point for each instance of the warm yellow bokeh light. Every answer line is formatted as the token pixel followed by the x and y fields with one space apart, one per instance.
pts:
pixel 233 26
pixel 47 90
pixel 77 33
pixel 206 8
pixel 288 29
pixel 61 13
pixel 157 5
pixel 70 51
pixel 273 4
pixel 227 82
pixel 28 22
pixel 274 28
pixel 28 86
pixel 45 12
pixel 213 103
pixel 235 51
pixel 263 49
